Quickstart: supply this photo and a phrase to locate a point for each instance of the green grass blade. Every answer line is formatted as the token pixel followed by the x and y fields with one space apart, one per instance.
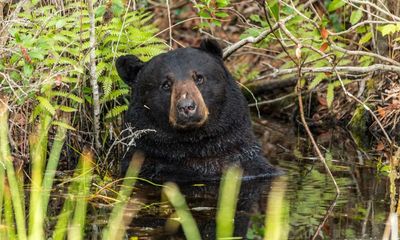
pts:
pixel 116 225
pixel 38 145
pixel 8 214
pixel 178 201
pixel 228 196
pixel 51 167
pixel 7 160
pixel 60 229
pixel 76 230
pixel 2 186
pixel 276 221
pixel 67 210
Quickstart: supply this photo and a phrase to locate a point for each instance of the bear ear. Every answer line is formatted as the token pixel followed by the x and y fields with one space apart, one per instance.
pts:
pixel 128 67
pixel 211 46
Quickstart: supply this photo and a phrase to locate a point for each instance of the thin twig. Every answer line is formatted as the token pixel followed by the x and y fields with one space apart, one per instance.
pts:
pixel 355 26
pixel 234 47
pixel 363 53
pixel 327 214
pixel 314 143
pixel 169 24
pixel 272 100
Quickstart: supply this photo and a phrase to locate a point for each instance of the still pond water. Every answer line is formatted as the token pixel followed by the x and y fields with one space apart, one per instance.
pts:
pixel 359 212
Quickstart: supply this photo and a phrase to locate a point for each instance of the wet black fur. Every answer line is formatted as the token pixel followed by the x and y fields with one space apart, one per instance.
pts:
pixel 191 154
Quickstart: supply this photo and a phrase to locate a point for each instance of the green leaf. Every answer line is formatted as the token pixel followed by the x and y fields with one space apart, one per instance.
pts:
pixel 36 54
pixel 66 108
pixel 216 23
pixel 100 11
pixel 204 14
pixel 330 94
pixel 339 84
pixel 46 105
pixel 356 16
pixel 222 3
pixel 335 4
pixel 274 8
pixel 117 8
pixel 316 80
pixel 365 38
pixel 221 14
pixel 63 125
pixel 388 29
pixel 255 18
pixel 28 69
pixel 60 23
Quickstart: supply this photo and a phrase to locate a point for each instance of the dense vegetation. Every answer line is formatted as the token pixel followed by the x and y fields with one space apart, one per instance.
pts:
pixel 332 61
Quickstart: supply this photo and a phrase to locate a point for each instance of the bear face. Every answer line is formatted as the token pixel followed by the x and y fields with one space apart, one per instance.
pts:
pixel 200 117
pixel 180 91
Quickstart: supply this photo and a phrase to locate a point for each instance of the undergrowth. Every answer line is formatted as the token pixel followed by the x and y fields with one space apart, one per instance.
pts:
pixel 45 64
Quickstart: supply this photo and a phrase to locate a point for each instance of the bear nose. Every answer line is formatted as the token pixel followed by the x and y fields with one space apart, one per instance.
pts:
pixel 186 107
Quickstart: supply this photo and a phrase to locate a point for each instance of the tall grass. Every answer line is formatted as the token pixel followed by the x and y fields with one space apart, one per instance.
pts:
pixel 6 159
pixel 72 218
pixel 185 217
pixel 116 225
pixel 229 192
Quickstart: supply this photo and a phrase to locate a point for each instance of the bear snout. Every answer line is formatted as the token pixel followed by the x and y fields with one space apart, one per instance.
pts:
pixel 188 108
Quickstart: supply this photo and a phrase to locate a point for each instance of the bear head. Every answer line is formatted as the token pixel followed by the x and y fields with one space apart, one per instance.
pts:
pixel 182 88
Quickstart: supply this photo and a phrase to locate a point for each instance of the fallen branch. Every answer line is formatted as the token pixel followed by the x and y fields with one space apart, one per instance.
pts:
pixel 270 84
pixel 340 69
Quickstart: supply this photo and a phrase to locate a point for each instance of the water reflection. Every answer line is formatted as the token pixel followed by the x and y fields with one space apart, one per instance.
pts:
pixel 202 201
pixel 306 194
pixel 360 210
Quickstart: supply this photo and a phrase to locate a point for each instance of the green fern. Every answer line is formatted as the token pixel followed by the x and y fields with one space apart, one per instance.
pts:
pixel 116 111
pixel 46 105
pixel 114 94
pixel 58 68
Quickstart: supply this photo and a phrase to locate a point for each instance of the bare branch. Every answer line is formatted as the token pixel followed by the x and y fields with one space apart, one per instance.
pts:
pixel 371 4
pixel 340 69
pixel 93 77
pixel 363 53
pixel 233 48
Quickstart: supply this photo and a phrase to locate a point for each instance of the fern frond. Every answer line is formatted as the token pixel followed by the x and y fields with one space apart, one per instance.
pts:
pixel 114 95
pixel 63 125
pixel 67 95
pixel 107 85
pixel 116 111
pixel 46 105
pixel 66 108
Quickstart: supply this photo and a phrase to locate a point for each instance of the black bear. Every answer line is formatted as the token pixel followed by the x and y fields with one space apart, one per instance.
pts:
pixel 200 118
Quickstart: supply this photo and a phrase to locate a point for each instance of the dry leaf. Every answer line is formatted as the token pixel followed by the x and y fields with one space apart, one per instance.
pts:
pixel 324 33
pixel 380 146
pixel 323 47
pixel 381 112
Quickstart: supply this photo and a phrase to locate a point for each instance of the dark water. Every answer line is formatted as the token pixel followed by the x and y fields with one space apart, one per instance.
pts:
pixel 359 212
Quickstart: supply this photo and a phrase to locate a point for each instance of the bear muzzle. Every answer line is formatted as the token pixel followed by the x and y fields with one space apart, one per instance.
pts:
pixel 188 109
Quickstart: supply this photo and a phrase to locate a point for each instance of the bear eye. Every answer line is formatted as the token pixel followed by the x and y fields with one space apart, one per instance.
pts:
pixel 166 85
pixel 199 79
